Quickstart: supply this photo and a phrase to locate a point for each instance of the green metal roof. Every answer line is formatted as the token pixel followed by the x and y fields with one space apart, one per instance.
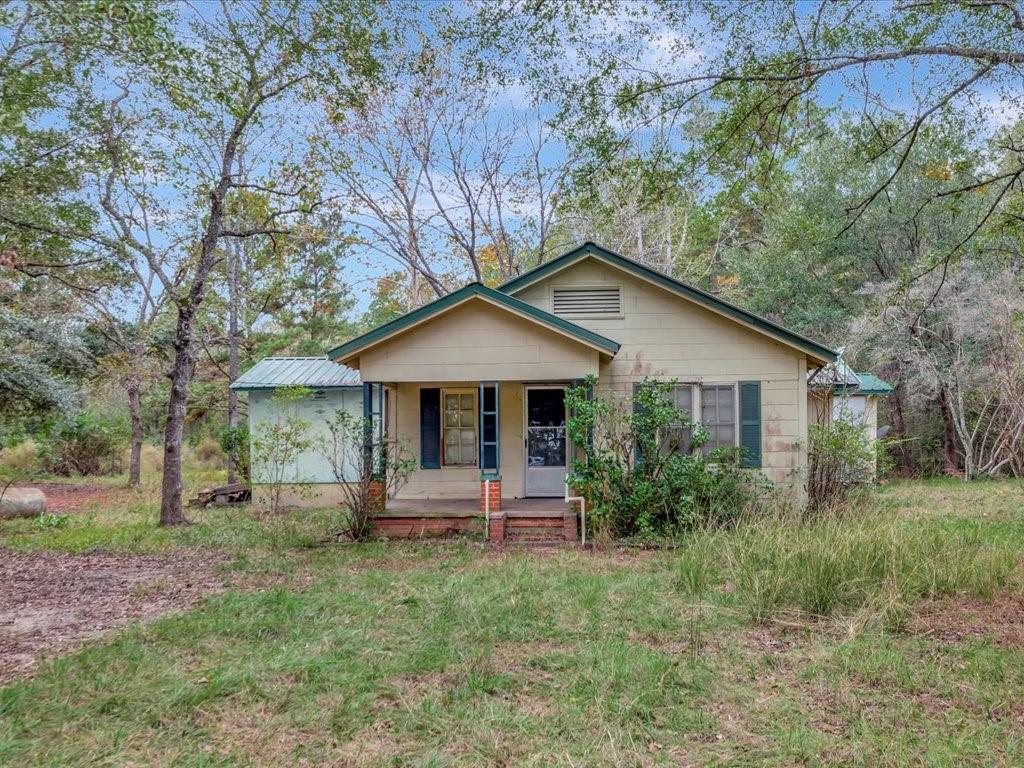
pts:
pixel 474 289
pixel 872 385
pixel 671 284
pixel 312 372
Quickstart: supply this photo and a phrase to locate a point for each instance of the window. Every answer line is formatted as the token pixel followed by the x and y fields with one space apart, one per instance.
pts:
pixel 459 440
pixel 718 415
pixel 587 302
pixel 676 437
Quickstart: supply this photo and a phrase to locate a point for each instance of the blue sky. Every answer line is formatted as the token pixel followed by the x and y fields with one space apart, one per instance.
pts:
pixel 665 49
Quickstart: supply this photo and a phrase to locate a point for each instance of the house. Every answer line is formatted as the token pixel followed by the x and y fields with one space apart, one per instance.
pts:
pixel 839 392
pixel 474 383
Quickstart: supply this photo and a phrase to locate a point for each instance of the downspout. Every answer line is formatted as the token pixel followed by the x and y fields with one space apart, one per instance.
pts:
pixel 583 514
pixel 487 510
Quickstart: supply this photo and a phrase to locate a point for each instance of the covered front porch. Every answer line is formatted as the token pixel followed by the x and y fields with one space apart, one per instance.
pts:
pixel 491 458
pixel 472 388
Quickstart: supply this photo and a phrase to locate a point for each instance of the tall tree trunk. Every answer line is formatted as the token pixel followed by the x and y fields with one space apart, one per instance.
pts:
pixel 233 343
pixel 133 388
pixel 896 403
pixel 950 455
pixel 171 512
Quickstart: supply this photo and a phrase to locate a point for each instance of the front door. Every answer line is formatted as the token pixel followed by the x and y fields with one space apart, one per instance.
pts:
pixel 546 441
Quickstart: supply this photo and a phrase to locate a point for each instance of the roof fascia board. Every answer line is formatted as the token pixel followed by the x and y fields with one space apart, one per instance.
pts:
pixel 410 320
pixel 708 301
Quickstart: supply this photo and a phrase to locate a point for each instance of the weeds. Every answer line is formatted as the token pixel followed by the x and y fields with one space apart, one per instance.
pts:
pixel 865 568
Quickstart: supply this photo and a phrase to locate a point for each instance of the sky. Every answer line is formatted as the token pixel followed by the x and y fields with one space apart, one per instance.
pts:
pixel 670 50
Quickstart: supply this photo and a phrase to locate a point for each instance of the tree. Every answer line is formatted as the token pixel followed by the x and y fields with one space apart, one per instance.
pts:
pixel 318 313
pixel 441 181
pixel 961 342
pixel 241 72
pixel 742 84
pixel 51 58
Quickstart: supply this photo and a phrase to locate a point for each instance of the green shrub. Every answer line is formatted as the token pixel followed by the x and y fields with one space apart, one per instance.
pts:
pixel 23 457
pixel 88 443
pixel 234 441
pixel 47 521
pixel 209 454
pixel 841 459
pixel 634 485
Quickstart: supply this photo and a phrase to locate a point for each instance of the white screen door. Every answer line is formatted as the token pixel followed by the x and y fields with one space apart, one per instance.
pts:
pixel 546 441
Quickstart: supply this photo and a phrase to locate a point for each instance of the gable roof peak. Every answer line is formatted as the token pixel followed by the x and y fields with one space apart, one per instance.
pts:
pixel 673 285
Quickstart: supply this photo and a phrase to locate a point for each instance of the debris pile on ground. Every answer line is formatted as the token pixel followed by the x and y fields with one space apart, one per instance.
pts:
pixel 222 495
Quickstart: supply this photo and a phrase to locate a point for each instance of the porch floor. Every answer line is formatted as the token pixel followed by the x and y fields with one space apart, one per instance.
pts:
pixel 471 507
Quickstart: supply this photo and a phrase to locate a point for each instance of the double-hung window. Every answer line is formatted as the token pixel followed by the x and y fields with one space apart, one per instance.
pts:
pixel 675 438
pixel 459 428
pixel 718 415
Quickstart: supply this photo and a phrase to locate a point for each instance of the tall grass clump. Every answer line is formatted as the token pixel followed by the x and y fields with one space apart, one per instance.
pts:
pixel 842 565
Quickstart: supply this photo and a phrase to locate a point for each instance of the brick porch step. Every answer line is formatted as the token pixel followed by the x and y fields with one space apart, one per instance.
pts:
pixel 534 528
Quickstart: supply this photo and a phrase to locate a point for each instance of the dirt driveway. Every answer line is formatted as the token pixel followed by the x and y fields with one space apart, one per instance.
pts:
pixel 65 498
pixel 51 602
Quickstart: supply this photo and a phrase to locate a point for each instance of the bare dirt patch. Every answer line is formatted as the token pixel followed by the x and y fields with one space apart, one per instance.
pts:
pixel 1000 620
pixel 66 498
pixel 51 602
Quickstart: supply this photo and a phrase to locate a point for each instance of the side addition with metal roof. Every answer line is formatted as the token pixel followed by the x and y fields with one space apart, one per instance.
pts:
pixel 312 372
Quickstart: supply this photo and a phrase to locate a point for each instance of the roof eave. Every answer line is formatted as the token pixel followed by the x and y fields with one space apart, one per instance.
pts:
pixel 809 346
pixel 347 352
pixel 271 387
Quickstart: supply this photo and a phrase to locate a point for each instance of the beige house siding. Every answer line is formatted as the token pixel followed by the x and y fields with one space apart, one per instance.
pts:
pixel 871 417
pixel 460 482
pixel 667 337
pixel 477 341
pixel 819 405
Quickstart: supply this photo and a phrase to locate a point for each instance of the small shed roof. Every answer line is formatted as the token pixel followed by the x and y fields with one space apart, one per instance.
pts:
pixel 836 375
pixel 872 385
pixel 313 372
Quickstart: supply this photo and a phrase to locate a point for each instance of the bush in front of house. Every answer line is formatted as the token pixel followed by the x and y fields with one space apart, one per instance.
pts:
pixel 841 461
pixel 645 473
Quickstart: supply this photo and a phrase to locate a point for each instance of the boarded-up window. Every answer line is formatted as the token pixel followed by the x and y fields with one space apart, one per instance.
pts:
pixel 588 302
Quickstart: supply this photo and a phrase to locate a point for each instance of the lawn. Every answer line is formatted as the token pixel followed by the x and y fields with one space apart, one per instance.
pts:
pixel 892 638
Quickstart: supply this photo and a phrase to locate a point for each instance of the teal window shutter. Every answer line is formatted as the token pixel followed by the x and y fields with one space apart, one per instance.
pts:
pixel 430 428
pixel 750 424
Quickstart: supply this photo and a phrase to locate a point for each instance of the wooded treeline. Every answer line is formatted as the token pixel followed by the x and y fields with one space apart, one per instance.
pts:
pixel 184 190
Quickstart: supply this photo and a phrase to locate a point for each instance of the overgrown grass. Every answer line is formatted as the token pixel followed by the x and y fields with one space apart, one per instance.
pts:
pixel 450 655
pixel 873 566
pixel 126 521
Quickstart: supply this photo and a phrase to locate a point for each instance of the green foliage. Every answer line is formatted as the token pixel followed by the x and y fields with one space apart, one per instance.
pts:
pixel 49 521
pixel 234 441
pixel 841 459
pixel 277 443
pixel 633 485
pixel 361 463
pixel 90 442
pixel 600 642
pixel 869 568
